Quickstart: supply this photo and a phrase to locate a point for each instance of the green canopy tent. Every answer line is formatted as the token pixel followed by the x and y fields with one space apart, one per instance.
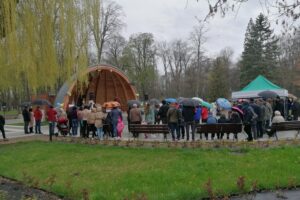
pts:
pixel 258 85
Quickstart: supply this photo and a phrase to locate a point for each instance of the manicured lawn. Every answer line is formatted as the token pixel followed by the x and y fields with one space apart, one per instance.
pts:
pixel 120 172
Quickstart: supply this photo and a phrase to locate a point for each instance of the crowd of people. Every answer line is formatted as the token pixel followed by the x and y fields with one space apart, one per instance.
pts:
pixel 257 115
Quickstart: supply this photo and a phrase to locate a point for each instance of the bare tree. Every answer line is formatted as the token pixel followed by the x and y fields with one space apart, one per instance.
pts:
pixel 175 57
pixel 105 21
pixel 114 49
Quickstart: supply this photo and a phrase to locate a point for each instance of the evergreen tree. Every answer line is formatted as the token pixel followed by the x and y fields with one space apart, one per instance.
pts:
pixel 260 55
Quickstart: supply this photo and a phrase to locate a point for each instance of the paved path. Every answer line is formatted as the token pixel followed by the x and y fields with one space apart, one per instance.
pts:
pixel 13 131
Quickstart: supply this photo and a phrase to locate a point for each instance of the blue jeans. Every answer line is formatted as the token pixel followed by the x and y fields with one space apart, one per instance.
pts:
pixel 51 128
pixel 100 133
pixel 38 126
pixel 174 127
pixel 115 131
pixel 74 127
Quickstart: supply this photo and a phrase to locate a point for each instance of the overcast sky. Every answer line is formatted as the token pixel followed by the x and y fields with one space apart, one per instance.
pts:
pixel 173 19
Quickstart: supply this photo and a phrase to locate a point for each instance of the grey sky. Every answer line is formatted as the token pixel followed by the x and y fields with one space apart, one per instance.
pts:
pixel 173 19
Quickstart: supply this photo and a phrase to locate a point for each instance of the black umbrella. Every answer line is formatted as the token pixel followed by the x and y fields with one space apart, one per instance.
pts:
pixel 189 103
pixel 131 102
pixel 41 102
pixel 268 94
pixel 154 102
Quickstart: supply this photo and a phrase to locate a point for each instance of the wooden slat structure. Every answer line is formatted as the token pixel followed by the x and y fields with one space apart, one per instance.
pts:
pixel 105 84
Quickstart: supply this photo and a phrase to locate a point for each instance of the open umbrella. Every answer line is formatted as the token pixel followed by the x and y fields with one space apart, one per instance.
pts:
pixel 268 94
pixel 237 109
pixel 111 104
pixel 206 104
pixel 131 102
pixel 170 100
pixel 41 102
pixel 223 103
pixel 197 99
pixel 154 102
pixel 189 103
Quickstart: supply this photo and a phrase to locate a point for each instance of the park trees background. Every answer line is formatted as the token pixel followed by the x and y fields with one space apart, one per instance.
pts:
pixel 44 42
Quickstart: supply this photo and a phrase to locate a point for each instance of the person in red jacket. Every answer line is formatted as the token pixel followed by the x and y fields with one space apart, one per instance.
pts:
pixel 204 114
pixel 38 115
pixel 51 117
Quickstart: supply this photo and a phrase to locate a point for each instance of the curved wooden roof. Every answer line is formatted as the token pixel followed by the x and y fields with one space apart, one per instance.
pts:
pixel 105 84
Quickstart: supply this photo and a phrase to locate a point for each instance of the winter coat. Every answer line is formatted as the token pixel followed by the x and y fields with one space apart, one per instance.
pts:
pixel 162 113
pixel 91 118
pixel 38 115
pixel 173 115
pixel 257 110
pixel 99 117
pixel 150 116
pixel 268 111
pixel 262 116
pixel 2 120
pixel 115 114
pixel 222 120
pixel 197 115
pixel 51 115
pixel 278 117
pixel 295 107
pixel 235 118
pixel 135 115
pixel 26 115
pixel 31 122
pixel 204 113
pixel 188 114
pixel 248 115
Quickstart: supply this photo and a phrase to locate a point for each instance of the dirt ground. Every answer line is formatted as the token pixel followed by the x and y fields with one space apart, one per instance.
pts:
pixel 13 190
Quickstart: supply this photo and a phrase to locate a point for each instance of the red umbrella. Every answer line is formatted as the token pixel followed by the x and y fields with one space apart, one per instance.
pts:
pixel 237 109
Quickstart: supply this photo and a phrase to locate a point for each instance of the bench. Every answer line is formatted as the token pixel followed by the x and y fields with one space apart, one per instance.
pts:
pixel 285 126
pixel 219 129
pixel 136 129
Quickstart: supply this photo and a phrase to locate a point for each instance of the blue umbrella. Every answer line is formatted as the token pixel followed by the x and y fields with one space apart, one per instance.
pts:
pixel 170 100
pixel 223 103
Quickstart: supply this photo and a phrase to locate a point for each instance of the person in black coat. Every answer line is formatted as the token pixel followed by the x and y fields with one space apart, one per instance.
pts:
pixel 222 120
pixel 188 116
pixel 254 124
pixel 2 123
pixel 26 118
pixel 248 119
pixel 162 114
pixel 295 107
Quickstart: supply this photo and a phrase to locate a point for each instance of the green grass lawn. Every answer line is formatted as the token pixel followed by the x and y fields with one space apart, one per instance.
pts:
pixel 132 173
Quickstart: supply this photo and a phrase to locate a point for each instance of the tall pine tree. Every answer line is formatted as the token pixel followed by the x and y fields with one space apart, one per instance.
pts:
pixel 260 55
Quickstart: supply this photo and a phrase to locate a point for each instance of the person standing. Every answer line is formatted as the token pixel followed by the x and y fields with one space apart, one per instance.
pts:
pixel 38 115
pixel 248 119
pixel 173 118
pixel 149 115
pixel 135 117
pixel 197 118
pixel 74 118
pixel 181 125
pixel 269 113
pixel 2 123
pixel 115 114
pixel 188 116
pixel 261 119
pixel 26 118
pixel 51 117
pixel 91 123
pixel 85 114
pixel 162 114
pixel 99 117
pixel 295 107
pixel 211 119
pixel 257 111
pixel 31 122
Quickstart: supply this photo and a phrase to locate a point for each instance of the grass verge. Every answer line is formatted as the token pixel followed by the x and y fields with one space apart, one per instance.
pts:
pixel 98 172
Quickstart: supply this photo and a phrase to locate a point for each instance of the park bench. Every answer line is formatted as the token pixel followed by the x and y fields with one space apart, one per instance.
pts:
pixel 149 128
pixel 219 129
pixel 286 126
